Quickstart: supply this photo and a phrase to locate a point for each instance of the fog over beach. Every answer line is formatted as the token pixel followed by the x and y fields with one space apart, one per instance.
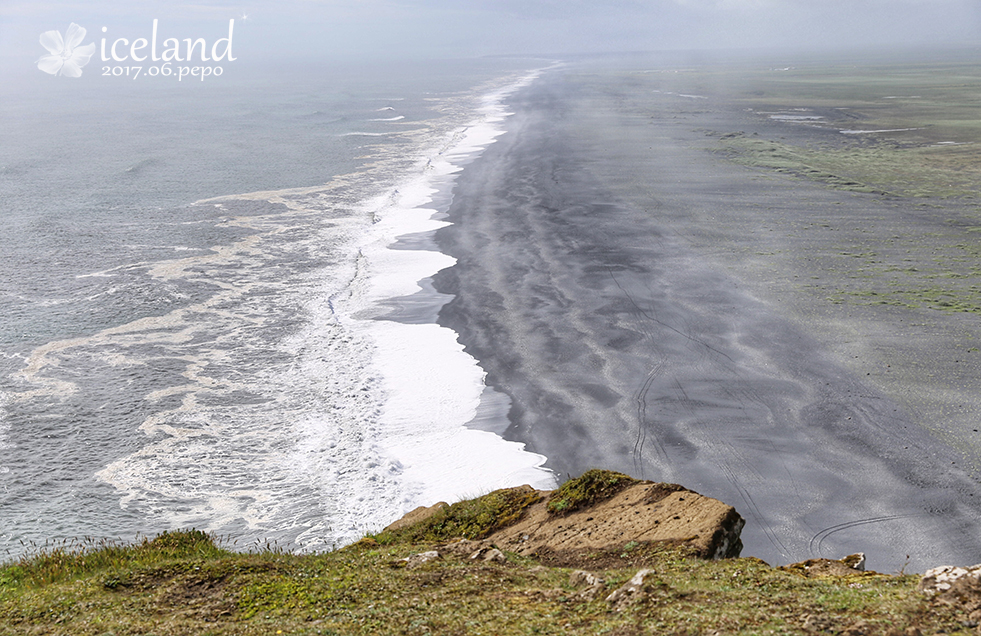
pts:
pixel 398 251
pixel 613 282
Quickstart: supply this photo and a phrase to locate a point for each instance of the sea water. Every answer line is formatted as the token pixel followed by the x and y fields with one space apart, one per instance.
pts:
pixel 215 309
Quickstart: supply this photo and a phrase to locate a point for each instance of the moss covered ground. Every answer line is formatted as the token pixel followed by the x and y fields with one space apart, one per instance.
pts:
pixel 591 487
pixel 184 583
pixel 931 146
pixel 819 123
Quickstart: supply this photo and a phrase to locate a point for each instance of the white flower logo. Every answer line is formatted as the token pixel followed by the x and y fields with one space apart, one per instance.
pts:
pixel 67 58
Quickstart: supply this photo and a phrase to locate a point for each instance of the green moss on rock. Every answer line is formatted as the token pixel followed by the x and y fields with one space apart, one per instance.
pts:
pixel 472 519
pixel 590 487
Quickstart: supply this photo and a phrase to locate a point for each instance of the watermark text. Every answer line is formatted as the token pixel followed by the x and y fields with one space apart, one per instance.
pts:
pixel 143 56
pixel 167 69
pixel 169 50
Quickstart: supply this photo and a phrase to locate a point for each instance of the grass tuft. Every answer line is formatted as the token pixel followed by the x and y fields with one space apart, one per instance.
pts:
pixel 43 565
pixel 590 487
pixel 470 519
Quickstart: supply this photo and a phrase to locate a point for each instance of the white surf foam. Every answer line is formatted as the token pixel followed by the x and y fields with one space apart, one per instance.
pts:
pixel 4 433
pixel 357 133
pixel 336 429
pixel 870 132
pixel 431 387
pixel 796 117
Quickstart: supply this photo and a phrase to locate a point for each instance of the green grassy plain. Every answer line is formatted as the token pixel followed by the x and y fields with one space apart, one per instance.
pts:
pixel 934 111
pixel 930 164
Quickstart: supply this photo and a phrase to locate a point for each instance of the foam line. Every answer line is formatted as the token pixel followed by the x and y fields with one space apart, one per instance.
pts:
pixel 431 387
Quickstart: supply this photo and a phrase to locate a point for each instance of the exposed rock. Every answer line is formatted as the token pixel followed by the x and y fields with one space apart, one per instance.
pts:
pixel 942 579
pixel 463 548
pixel 491 554
pixel 600 512
pixel 591 593
pixel 851 565
pixel 959 587
pixel 422 558
pixel 643 512
pixel 415 516
pixel 594 585
pixel 631 591
pixel 581 578
pixel 473 550
pixel 855 561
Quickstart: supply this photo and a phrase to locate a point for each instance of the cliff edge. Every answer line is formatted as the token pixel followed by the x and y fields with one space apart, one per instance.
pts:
pixel 600 510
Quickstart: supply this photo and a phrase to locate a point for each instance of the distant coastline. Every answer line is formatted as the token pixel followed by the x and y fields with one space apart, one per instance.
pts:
pixel 659 296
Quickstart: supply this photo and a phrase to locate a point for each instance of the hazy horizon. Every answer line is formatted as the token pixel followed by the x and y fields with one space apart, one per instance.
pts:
pixel 320 31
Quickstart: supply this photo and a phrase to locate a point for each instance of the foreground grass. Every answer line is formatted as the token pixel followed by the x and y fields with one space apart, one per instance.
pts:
pixel 182 583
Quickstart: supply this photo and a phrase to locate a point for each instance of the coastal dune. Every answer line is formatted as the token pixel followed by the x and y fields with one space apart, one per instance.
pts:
pixel 605 285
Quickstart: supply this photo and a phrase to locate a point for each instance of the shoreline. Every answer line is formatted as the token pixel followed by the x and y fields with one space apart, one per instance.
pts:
pixel 224 374
pixel 438 423
pixel 603 283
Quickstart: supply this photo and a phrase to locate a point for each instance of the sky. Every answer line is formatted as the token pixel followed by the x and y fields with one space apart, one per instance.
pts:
pixel 315 31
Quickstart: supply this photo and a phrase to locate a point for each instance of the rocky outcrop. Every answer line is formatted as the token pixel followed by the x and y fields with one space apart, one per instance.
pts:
pixel 420 559
pixel 644 512
pixel 599 511
pixel 944 578
pixel 463 549
pixel 955 586
pixel 851 565
pixel 590 585
pixel 632 591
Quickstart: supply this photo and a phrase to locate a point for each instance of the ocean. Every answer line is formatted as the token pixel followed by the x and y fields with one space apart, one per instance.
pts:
pixel 215 306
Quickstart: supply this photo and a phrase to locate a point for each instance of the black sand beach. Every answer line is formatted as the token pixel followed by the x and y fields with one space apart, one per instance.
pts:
pixel 652 307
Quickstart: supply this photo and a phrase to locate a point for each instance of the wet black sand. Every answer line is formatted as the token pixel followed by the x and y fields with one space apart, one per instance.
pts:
pixel 650 307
